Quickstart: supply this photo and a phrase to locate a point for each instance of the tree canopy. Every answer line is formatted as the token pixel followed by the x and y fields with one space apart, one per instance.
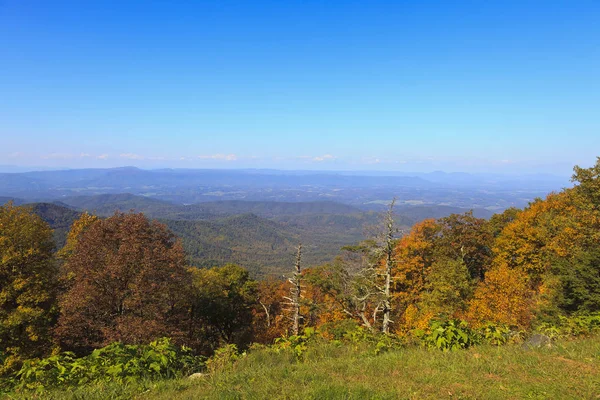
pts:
pixel 128 283
pixel 28 277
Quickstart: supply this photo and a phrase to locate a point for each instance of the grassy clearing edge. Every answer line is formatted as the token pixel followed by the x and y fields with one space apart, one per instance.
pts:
pixel 570 369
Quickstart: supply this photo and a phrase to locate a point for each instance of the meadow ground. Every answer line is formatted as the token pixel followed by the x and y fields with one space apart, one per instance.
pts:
pixel 567 370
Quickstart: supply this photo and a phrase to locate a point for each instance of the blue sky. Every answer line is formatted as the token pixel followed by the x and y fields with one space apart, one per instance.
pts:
pixel 473 86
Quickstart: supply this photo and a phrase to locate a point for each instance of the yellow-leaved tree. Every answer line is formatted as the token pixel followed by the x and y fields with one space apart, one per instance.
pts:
pixel 503 298
pixel 27 286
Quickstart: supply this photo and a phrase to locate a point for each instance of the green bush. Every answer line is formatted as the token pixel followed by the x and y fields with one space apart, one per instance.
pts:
pixel 339 330
pixel 496 335
pixel 385 343
pixel 576 325
pixel 223 359
pixel 343 332
pixel 114 363
pixel 448 335
pixel 297 344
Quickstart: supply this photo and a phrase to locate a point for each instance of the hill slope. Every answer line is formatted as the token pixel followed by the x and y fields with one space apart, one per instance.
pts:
pixel 16 201
pixel 263 246
pixel 259 235
pixel 106 204
pixel 260 245
pixel 59 218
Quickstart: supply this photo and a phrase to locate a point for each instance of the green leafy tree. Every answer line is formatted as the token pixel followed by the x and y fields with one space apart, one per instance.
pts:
pixel 448 288
pixel 223 299
pixel 579 278
pixel 588 187
pixel 467 238
pixel 27 280
pixel 497 222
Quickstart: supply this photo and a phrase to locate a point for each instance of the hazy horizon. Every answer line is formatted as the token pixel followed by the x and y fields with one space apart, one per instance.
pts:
pixel 365 172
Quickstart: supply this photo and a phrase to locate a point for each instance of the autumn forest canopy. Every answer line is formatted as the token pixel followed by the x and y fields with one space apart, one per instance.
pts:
pixel 125 280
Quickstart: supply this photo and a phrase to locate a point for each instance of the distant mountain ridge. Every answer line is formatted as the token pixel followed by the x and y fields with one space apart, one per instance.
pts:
pixel 119 178
pixel 16 201
pixel 359 189
pixel 107 204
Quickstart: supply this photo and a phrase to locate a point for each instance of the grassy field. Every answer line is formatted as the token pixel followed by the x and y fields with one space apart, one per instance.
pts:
pixel 567 370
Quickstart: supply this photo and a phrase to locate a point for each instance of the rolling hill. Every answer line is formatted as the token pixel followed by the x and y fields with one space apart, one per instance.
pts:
pixel 259 235
pixel 263 246
pixel 59 218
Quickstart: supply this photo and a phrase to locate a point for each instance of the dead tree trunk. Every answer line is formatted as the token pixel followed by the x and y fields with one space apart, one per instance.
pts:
pixel 295 293
pixel 389 253
pixel 267 314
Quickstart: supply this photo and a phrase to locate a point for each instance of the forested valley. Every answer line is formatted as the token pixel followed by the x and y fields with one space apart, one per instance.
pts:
pixel 259 235
pixel 112 298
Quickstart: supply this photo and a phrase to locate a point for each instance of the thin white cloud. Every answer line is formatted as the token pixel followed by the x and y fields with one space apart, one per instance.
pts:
pixel 326 157
pixel 221 157
pixel 131 156
pixel 66 156
pixel 58 156
pixel 370 160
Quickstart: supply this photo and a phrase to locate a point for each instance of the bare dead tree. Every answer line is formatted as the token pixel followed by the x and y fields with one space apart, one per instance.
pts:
pixel 388 251
pixel 369 296
pixel 267 313
pixel 362 291
pixel 296 293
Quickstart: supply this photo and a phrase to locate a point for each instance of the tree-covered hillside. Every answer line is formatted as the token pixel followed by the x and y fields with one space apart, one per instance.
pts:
pixel 58 217
pixel 260 236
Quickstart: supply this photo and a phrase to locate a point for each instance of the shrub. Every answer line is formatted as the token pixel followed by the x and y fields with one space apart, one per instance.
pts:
pixel 448 335
pixel 348 332
pixel 496 335
pixel 296 343
pixel 223 358
pixel 577 325
pixel 338 330
pixel 114 363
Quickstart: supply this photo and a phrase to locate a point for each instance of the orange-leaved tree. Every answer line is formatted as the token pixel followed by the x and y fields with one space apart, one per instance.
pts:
pixel 503 298
pixel 269 316
pixel 414 255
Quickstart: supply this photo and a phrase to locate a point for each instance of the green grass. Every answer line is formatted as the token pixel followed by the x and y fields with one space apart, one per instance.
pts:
pixel 568 370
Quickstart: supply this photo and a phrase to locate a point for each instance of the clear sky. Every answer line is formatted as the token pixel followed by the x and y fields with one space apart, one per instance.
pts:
pixel 502 86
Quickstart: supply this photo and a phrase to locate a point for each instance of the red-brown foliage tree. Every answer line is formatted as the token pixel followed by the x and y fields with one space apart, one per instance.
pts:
pixel 128 283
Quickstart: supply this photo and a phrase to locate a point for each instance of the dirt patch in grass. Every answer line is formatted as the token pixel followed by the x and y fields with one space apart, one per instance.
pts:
pixel 589 368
